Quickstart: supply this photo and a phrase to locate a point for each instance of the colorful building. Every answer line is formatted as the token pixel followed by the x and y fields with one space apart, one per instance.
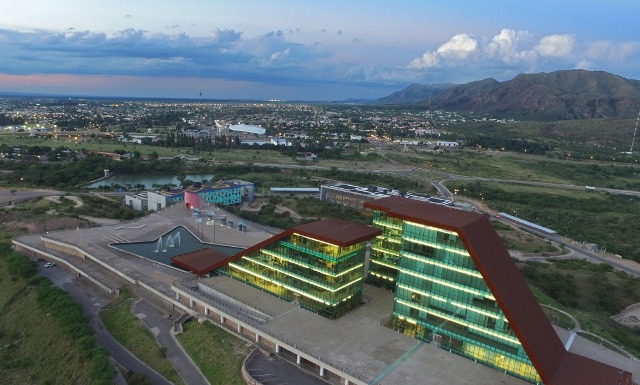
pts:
pixel 456 286
pixel 319 265
pixel 224 193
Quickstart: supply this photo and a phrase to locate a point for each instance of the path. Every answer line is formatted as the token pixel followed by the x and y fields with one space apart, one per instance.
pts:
pixel 92 298
pixel 160 324
pixel 80 291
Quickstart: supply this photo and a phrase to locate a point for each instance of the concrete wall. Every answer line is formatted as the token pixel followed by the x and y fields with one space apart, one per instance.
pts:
pixel 21 247
pixel 156 201
pixel 134 203
pixel 245 373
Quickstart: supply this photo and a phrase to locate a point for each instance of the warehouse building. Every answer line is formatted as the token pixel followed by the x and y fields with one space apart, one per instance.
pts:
pixel 355 196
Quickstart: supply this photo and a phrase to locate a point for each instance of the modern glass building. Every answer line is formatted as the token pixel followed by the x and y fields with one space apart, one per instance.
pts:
pixel 320 265
pixel 385 251
pixel 456 286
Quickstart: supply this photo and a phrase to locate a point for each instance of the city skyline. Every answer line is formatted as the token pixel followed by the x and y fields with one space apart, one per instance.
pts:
pixel 302 50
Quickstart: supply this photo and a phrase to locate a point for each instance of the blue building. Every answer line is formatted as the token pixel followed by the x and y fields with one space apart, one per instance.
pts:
pixel 224 193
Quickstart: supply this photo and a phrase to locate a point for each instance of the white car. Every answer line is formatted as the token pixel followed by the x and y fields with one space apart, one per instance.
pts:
pixel 49 264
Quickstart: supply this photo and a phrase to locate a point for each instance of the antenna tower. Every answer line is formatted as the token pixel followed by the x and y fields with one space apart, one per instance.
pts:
pixel 634 134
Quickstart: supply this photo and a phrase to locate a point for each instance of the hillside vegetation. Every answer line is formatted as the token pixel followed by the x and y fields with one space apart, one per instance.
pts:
pixel 572 94
pixel 45 338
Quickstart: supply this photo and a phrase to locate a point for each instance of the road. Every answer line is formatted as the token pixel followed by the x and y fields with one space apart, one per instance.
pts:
pixel 438 183
pixel 160 323
pixel 92 299
pixel 633 270
pixel 274 370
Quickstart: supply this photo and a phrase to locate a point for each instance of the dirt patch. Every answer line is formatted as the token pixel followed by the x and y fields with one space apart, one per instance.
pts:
pixel 629 317
pixel 49 225
pixel 528 244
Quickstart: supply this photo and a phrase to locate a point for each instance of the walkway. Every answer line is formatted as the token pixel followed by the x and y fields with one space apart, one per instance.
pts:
pixel 160 324
pixel 80 290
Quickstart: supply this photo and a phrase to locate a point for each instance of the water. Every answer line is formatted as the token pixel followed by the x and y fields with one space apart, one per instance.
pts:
pixel 177 241
pixel 148 180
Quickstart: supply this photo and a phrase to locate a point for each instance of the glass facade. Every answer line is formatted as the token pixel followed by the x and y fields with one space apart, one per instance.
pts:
pixel 385 251
pixel 441 297
pixel 320 276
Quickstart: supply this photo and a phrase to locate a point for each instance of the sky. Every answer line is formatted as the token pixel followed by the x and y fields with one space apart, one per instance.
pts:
pixel 303 49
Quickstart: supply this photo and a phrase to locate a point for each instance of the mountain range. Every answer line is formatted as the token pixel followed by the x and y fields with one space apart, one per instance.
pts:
pixel 559 95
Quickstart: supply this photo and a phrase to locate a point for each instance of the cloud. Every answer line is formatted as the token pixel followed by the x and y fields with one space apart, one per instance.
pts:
pixel 222 54
pixel 556 45
pixel 584 65
pixel 274 34
pixel 606 49
pixel 461 46
pixel 505 46
pixel 279 55
pixel 282 57
pixel 428 60
pixel 508 52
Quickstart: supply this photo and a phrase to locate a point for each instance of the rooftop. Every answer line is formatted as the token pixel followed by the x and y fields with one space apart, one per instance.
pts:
pixel 201 261
pixel 376 192
pixel 337 232
pixel 248 128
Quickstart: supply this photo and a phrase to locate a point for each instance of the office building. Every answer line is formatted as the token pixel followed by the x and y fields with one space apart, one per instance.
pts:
pixel 456 286
pixel 319 265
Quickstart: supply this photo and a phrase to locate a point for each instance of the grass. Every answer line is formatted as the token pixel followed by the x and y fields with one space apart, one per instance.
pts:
pixel 242 154
pixel 592 293
pixel 609 221
pixel 514 166
pixel 33 349
pixel 127 329
pixel 522 241
pixel 218 354
pixel 558 318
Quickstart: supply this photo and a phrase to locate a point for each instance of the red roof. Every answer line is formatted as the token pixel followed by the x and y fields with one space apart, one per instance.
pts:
pixel 337 232
pixel 201 261
pixel 334 231
pixel 554 364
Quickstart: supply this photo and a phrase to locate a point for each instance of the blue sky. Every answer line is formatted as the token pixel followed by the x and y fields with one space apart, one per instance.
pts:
pixel 303 50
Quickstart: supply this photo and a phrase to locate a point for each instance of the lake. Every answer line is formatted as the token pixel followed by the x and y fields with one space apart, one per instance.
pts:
pixel 148 180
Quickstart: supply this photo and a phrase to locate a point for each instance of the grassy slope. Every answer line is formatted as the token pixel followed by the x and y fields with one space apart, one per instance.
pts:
pixel 591 292
pixel 217 353
pixel 33 350
pixel 131 333
pixel 610 221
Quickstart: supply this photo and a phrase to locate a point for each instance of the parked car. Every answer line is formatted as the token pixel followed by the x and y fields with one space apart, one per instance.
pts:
pixel 49 264
pixel 39 259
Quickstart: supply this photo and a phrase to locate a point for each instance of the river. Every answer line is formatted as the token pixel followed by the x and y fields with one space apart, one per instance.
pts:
pixel 148 180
